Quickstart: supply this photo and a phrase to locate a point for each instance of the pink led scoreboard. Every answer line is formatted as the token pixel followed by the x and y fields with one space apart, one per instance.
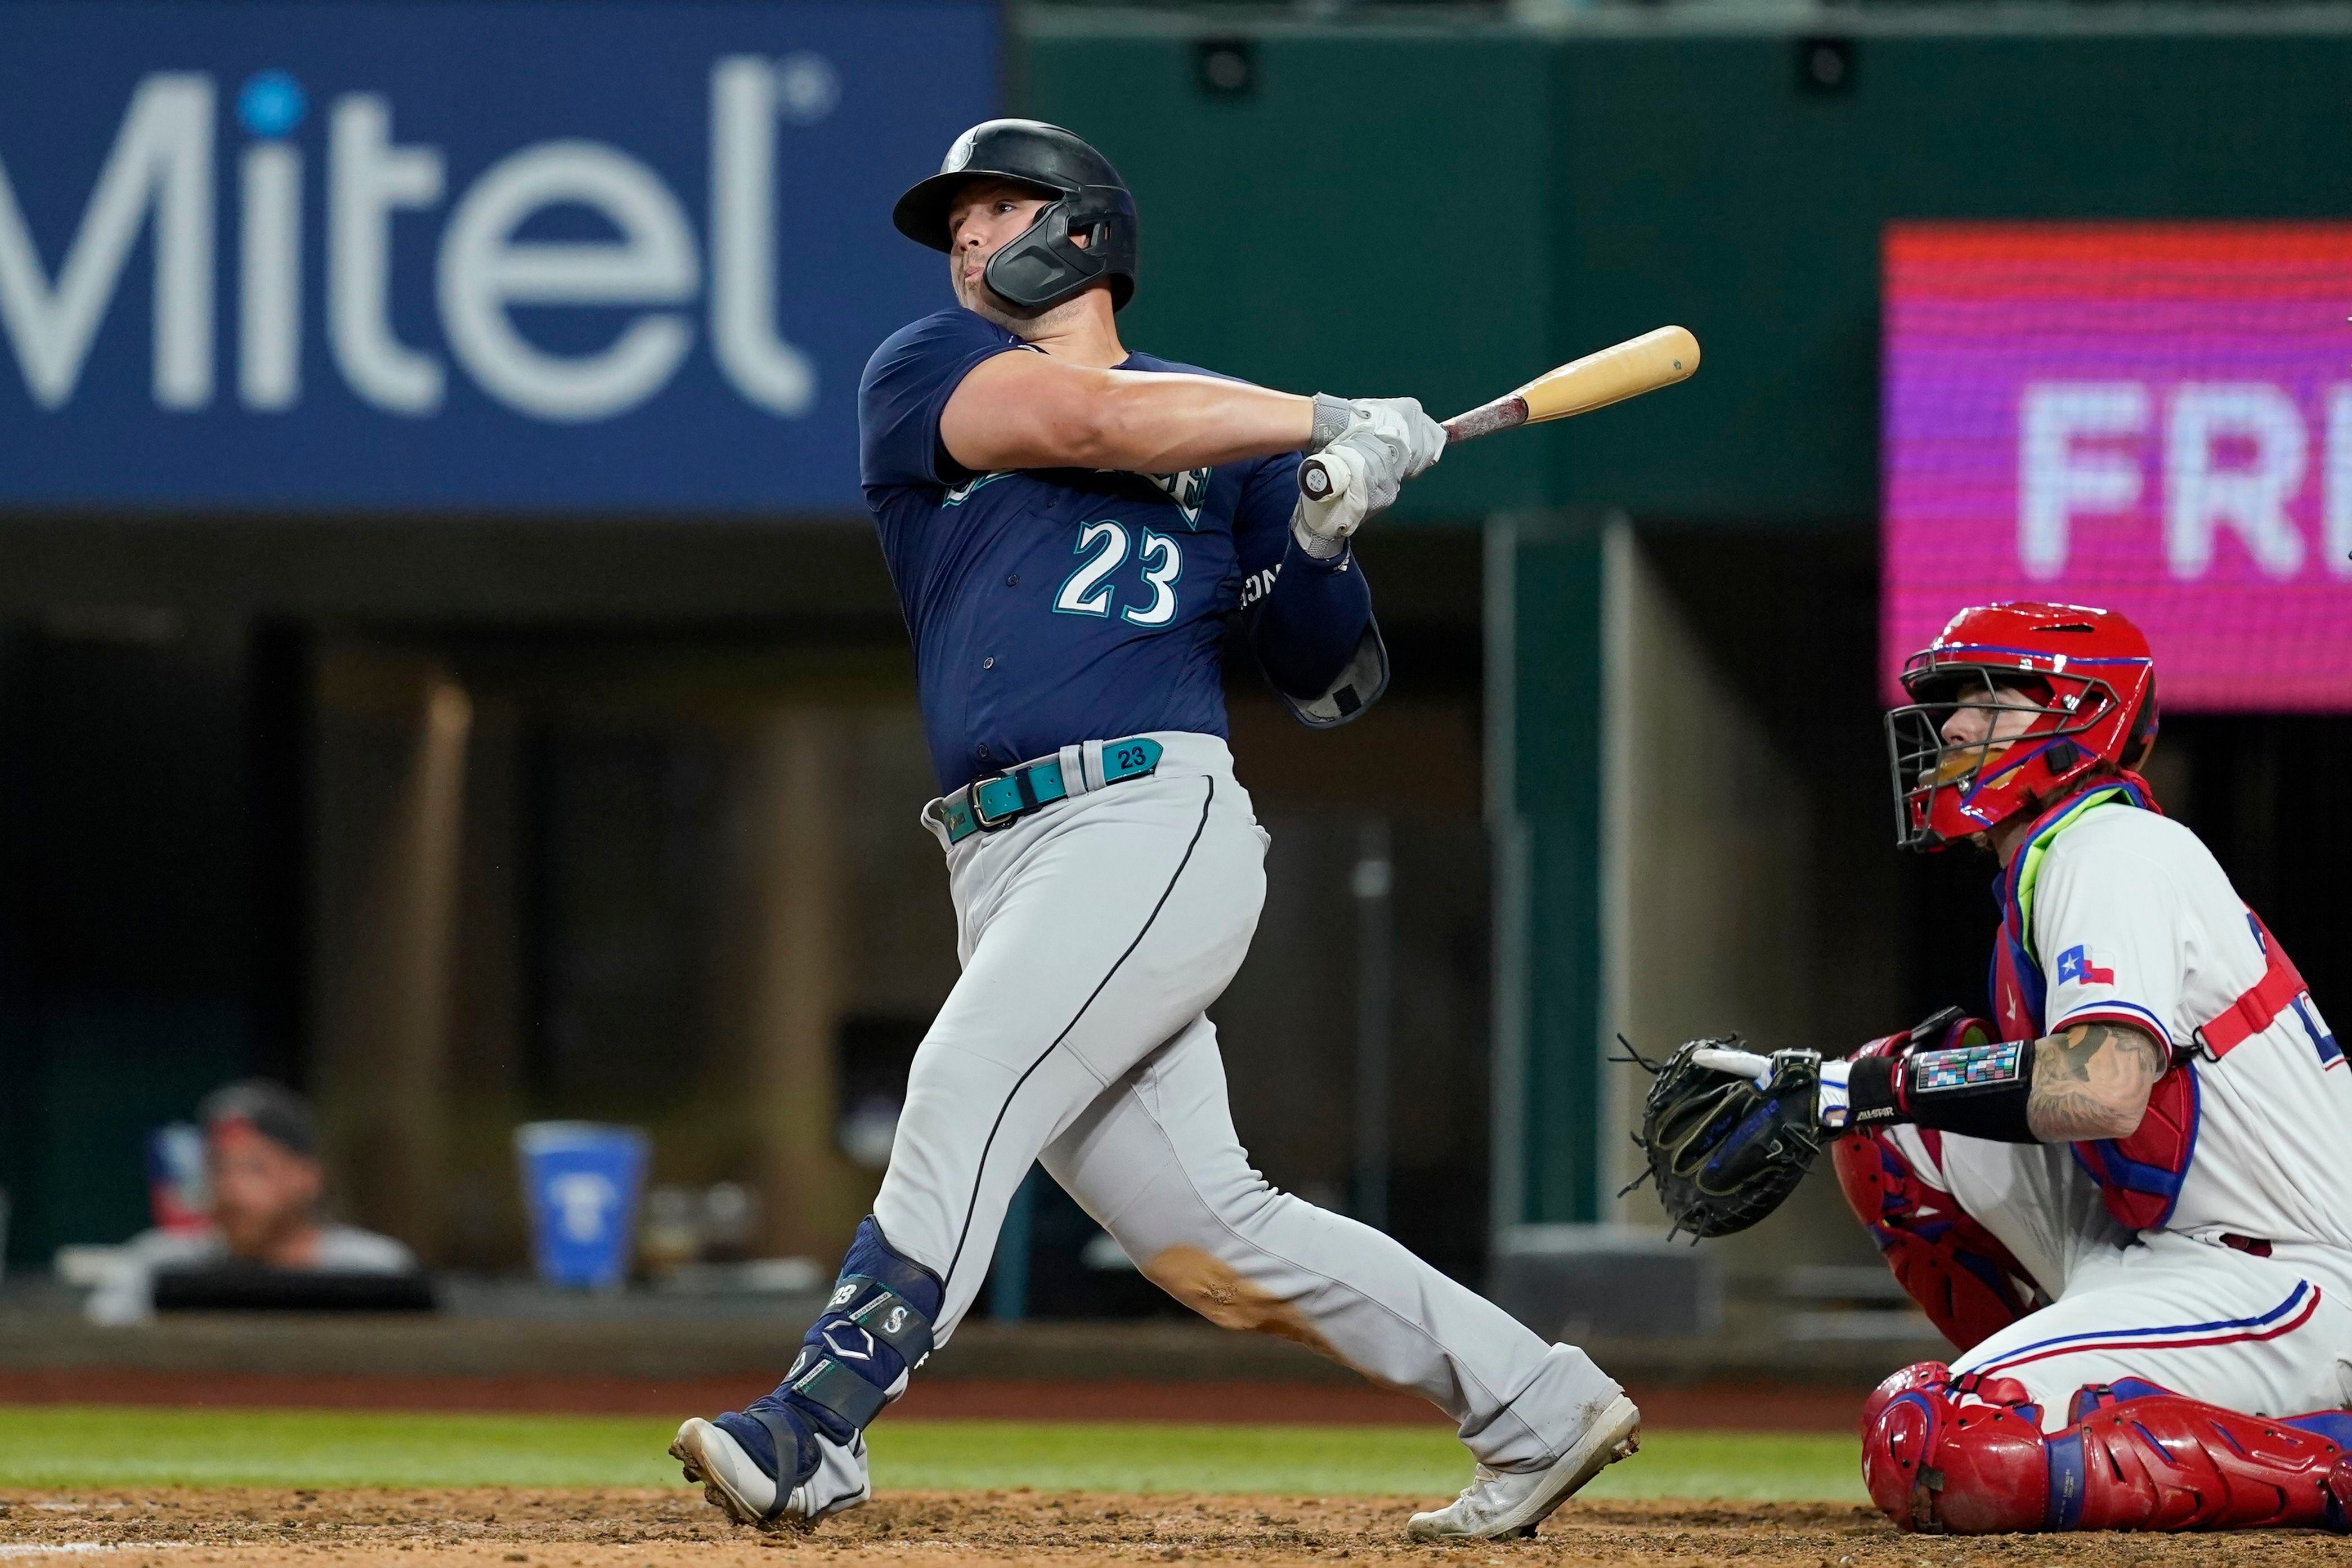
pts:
pixel 2156 418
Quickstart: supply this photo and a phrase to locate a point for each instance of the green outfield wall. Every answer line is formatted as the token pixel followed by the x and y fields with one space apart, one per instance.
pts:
pixel 1445 210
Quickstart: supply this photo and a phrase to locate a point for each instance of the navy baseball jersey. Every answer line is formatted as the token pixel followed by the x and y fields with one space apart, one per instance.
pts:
pixel 1052 606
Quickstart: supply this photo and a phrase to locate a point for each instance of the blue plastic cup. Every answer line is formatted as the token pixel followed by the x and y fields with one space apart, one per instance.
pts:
pixel 581 1181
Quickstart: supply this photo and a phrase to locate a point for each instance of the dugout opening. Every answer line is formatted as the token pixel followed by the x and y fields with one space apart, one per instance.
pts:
pixel 458 827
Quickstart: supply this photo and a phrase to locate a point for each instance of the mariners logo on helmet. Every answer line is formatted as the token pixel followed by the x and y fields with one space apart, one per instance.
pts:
pixel 1086 235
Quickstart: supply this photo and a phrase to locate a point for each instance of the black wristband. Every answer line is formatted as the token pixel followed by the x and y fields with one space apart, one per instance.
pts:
pixel 1869 1094
pixel 1976 1091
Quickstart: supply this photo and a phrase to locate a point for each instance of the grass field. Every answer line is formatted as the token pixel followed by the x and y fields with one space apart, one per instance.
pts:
pixel 51 1446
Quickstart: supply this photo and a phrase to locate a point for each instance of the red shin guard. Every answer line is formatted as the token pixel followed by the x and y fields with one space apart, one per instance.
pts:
pixel 1963 1278
pixel 1966 1456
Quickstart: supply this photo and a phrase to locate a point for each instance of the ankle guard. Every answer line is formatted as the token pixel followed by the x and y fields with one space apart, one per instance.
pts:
pixel 875 1330
pixel 1967 1456
pixel 1966 1282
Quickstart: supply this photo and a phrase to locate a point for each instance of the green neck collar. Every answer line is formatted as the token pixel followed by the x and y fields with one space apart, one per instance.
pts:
pixel 2038 845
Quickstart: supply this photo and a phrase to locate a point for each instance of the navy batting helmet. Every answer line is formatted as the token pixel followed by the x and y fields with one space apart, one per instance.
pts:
pixel 1043 267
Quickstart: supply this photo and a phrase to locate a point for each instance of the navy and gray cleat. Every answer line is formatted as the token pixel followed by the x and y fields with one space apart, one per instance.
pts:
pixel 794 1456
pixel 738 1476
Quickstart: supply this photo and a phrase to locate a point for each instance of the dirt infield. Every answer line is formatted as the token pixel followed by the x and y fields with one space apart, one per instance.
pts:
pixel 1724 1405
pixel 914 1529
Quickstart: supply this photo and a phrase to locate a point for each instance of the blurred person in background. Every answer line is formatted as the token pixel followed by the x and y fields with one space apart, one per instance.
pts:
pixel 261 1156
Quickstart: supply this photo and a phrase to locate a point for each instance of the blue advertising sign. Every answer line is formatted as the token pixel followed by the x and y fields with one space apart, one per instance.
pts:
pixel 462 257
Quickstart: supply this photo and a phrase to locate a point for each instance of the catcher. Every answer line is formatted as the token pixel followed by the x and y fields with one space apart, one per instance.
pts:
pixel 2122 1199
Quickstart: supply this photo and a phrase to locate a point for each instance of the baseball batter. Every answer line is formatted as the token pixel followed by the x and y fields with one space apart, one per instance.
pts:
pixel 2121 1199
pixel 1070 526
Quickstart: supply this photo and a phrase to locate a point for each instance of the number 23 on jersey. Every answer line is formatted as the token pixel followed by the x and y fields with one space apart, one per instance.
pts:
pixel 1105 546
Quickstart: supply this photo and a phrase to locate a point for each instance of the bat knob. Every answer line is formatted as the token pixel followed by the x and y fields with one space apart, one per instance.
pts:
pixel 1315 480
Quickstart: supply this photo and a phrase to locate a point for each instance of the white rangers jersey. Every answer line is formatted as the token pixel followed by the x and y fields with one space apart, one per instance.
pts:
pixel 2133 921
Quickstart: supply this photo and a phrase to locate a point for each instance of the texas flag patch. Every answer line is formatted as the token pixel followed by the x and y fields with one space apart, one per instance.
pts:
pixel 2075 965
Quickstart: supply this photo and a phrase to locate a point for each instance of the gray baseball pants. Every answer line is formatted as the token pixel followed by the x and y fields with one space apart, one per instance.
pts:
pixel 1093 934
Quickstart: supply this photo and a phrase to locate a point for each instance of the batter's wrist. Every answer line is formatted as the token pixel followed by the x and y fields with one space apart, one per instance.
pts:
pixel 1322 551
pixel 1331 416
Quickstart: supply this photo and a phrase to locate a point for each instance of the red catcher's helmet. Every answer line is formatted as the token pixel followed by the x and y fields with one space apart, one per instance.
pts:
pixel 2093 686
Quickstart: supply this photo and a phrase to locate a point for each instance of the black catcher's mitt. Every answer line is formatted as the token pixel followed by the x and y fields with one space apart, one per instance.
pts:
pixel 1724 1149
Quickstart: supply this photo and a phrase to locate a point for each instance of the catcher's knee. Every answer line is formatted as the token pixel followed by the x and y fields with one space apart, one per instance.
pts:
pixel 1966 1454
pixel 1966 1282
pixel 1939 1461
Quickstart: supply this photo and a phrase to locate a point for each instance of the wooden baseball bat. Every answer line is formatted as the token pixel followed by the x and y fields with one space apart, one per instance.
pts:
pixel 1655 359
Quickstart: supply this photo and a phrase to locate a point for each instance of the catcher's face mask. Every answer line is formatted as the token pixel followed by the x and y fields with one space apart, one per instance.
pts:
pixel 2010 704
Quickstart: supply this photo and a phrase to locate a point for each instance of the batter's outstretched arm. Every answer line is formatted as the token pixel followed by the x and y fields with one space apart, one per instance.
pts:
pixel 2092 1081
pixel 1028 410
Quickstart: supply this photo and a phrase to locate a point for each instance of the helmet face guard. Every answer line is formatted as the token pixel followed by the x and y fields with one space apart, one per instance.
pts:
pixel 2093 702
pixel 1045 264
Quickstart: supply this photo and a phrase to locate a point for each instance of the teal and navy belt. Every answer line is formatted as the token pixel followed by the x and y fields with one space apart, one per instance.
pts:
pixel 999 800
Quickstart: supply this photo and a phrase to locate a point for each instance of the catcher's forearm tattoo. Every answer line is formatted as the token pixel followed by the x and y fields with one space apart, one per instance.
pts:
pixel 2092 1081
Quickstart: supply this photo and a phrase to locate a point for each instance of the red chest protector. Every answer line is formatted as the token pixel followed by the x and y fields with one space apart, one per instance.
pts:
pixel 2140 1176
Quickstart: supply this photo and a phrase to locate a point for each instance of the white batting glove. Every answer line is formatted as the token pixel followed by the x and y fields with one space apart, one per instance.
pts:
pixel 1416 440
pixel 1831 1107
pixel 1323 527
pixel 1367 447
